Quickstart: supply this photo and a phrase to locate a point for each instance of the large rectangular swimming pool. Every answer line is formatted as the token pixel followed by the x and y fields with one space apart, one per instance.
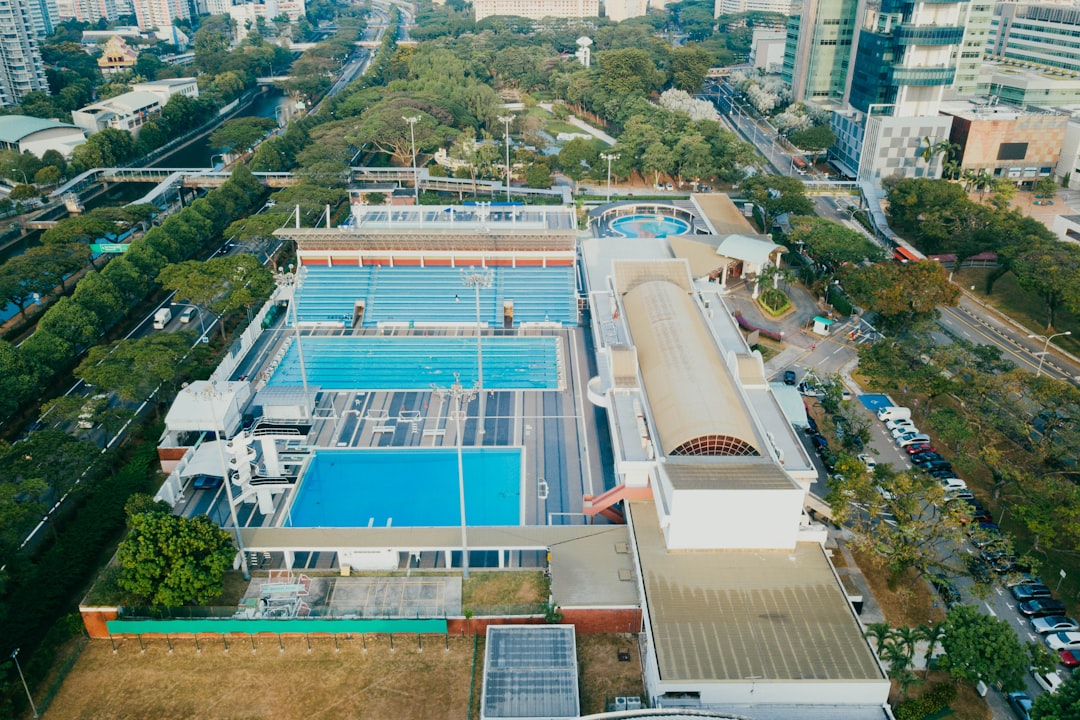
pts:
pixel 416 362
pixel 396 487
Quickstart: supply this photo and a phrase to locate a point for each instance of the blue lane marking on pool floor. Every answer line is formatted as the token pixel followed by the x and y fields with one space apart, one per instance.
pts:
pixel 417 362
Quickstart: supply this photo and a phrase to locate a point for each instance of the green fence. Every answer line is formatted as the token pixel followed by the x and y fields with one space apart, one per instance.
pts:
pixel 286 626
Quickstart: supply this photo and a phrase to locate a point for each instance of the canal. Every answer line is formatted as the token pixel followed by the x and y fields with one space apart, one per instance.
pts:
pixel 198 153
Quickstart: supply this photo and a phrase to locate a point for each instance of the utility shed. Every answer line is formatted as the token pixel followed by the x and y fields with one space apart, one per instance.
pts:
pixel 530 672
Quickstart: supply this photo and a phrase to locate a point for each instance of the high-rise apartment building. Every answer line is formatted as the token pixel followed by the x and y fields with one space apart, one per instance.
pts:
pixel 91 11
pixel 44 16
pixel 21 69
pixel 619 10
pixel 160 14
pixel 731 7
pixel 818 51
pixel 537 9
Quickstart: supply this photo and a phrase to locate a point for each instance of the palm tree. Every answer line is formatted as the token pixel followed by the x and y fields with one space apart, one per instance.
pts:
pixel 933 635
pixel 879 632
pixel 932 149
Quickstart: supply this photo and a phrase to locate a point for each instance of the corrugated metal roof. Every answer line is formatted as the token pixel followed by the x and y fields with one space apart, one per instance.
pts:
pixel 735 474
pixel 722 214
pixel 530 672
pixel 731 615
pixel 14 128
pixel 691 391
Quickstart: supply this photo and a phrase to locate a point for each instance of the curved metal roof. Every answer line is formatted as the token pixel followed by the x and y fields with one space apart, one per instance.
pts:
pixel 14 128
pixel 694 402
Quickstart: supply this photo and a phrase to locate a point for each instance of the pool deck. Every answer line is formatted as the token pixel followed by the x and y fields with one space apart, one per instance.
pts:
pixel 556 429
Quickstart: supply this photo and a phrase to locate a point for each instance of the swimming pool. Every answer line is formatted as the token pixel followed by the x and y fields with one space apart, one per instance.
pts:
pixel 408 488
pixel 650 226
pixel 416 362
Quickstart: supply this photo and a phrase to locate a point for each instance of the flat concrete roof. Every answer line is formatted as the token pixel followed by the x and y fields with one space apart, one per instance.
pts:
pixel 594 569
pixel 722 214
pixel 740 473
pixel 737 615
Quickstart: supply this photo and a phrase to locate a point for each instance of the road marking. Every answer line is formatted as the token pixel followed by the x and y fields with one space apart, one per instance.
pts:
pixel 990 610
pixel 999 591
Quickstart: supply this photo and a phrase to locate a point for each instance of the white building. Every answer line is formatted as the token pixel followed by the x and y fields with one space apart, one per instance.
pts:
pixel 21 69
pixel 767 49
pixel 89 11
pixel 742 610
pixel 22 133
pixel 537 9
pixel 159 14
pixel 245 14
pixel 731 7
pixel 619 10
pixel 132 110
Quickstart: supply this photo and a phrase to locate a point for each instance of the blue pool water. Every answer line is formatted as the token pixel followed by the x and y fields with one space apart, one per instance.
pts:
pixel 408 488
pixel 415 362
pixel 650 226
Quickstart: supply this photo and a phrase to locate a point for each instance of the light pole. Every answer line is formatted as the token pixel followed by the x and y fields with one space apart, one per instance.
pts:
pixel 506 120
pixel 460 395
pixel 609 157
pixel 1046 347
pixel 15 657
pixel 412 141
pixel 25 182
pixel 477 278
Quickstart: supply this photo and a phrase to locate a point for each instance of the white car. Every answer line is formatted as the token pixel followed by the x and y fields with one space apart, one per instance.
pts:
pixel 1054 623
pixel 912 439
pixel 885 494
pixel 1063 641
pixel 1050 682
pixel 904 430
pixel 893 424
pixel 868 461
pixel 952 485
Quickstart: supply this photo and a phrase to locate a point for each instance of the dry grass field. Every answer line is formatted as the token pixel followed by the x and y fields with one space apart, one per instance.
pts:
pixel 272 685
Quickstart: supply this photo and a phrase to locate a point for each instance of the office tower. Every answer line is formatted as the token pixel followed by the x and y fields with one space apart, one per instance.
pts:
pixel 21 69
pixel 731 7
pixel 971 78
pixel 1036 33
pixel 818 50
pixel 159 14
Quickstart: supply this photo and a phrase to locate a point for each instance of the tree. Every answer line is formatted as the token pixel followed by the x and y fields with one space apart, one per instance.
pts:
pixel 241 134
pixel 47 176
pixel 900 293
pixel 920 523
pixel 384 126
pixel 1061 705
pixel 170 560
pixel 50 455
pixel 578 156
pixel 689 66
pixel 775 195
pixel 815 139
pixel 223 284
pixel 538 175
pixel 24 191
pixel 1050 271
pixel 658 159
pixel 1045 187
pixel 831 243
pixel 134 368
pixel 626 71
pixel 982 648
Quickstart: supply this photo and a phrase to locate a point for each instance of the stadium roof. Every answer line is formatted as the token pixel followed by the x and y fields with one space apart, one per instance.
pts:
pixel 14 128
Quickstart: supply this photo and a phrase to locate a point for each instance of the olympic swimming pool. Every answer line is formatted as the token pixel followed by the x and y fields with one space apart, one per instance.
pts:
pixel 650 226
pixel 414 362
pixel 408 488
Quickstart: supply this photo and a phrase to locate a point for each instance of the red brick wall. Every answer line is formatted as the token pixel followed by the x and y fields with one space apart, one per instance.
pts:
pixel 585 621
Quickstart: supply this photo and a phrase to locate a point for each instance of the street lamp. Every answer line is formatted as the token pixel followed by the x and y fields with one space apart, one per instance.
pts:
pixel 506 120
pixel 1046 347
pixel 25 182
pixel 609 157
pixel 460 396
pixel 15 657
pixel 412 140
pixel 477 278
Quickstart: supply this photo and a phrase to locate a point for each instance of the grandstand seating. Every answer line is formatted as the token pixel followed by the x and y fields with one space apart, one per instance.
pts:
pixel 434 295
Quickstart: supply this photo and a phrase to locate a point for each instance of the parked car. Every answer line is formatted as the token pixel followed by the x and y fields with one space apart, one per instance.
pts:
pixel 1050 682
pixel 935 465
pixel 904 430
pixel 885 493
pixel 1054 623
pixel 946 589
pixel 811 426
pixel 1022 579
pixel 789 377
pixel 809 390
pixel 1042 608
pixel 891 425
pixel 919 447
pixel 942 474
pixel 1063 641
pixel 893 412
pixel 979 570
pixel 925 458
pixel 819 442
pixel 1069 658
pixel 1023 593
pixel 953 484
pixel 868 461
pixel 912 439
pixel 1021 704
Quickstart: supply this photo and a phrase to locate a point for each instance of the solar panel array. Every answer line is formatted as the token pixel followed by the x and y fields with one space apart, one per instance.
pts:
pixel 530 672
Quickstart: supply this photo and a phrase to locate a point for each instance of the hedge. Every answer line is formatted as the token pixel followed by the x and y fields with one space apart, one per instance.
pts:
pixel 937 698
